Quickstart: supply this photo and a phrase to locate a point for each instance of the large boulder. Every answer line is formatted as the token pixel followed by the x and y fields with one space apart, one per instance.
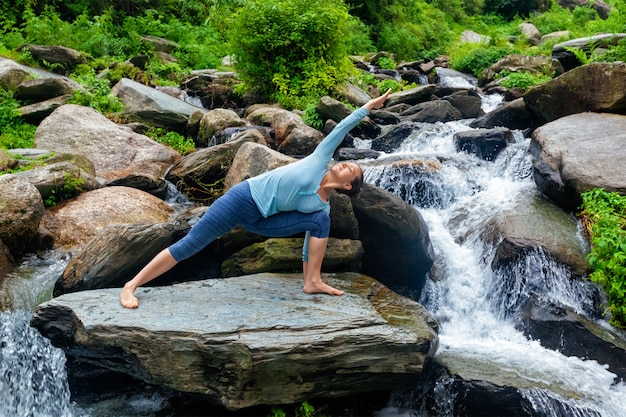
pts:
pixel 77 221
pixel 250 340
pixel 577 153
pixel 115 254
pixel 560 328
pixel 40 89
pixel 330 109
pixel 411 96
pixel 398 250
pixel 599 6
pixel 116 151
pixel 67 58
pixel 153 107
pixel 432 112
pixel 21 211
pixel 596 87
pixel 484 143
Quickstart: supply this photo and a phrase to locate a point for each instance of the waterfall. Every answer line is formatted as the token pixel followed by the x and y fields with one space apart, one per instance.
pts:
pixel 477 307
pixel 33 380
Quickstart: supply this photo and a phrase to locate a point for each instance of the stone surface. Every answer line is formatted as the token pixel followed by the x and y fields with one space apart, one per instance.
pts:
pixel 77 221
pixel 82 130
pixel 577 153
pixel 250 340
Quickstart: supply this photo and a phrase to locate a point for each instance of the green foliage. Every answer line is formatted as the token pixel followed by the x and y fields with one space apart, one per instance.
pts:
pixel 71 187
pixel 311 117
pixel 408 27
pixel 605 214
pixel 95 92
pixel 480 58
pixel 521 79
pixel 303 410
pixel 386 62
pixel 14 132
pixel 291 49
pixel 172 139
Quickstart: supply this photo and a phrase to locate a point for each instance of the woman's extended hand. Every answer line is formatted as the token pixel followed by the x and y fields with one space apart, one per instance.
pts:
pixel 378 102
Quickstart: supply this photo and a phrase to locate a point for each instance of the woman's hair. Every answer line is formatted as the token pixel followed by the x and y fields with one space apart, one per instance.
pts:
pixel 357 186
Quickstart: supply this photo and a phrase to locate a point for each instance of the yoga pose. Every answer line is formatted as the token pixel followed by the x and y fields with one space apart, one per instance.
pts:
pixel 278 203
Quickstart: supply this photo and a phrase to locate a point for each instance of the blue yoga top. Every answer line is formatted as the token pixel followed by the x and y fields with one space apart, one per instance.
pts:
pixel 294 186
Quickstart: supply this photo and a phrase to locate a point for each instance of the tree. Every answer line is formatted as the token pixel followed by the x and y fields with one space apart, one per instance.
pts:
pixel 289 49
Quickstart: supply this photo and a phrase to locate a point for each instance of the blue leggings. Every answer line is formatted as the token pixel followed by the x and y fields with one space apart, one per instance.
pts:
pixel 237 208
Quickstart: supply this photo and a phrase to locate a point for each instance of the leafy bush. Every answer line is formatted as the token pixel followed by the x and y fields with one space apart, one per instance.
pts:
pixel 605 216
pixel 480 58
pixel 291 49
pixel 521 79
pixel 174 140
pixel 14 132
pixel 71 187
pixel 95 92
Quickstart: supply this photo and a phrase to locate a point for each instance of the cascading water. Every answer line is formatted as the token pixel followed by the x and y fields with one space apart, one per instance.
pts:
pixel 477 307
pixel 33 379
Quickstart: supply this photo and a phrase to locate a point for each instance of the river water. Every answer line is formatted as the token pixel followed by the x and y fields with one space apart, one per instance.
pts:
pixel 476 307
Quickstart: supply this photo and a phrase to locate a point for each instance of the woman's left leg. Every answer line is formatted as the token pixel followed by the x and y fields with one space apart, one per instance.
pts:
pixel 317 226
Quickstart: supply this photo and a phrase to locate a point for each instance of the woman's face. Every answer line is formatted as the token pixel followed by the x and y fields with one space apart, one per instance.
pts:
pixel 346 172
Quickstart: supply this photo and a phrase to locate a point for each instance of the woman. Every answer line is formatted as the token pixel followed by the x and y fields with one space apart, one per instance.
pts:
pixel 282 202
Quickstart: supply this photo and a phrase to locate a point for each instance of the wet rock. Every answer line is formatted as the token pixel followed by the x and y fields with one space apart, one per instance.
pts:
pixel 484 143
pixel 513 115
pixel 285 255
pixel 560 328
pixel 431 112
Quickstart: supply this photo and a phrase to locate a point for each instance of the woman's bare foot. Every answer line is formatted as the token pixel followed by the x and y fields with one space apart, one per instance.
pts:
pixel 317 287
pixel 128 299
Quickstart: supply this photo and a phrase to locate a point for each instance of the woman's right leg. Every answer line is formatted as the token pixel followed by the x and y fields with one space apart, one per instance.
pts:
pixel 232 208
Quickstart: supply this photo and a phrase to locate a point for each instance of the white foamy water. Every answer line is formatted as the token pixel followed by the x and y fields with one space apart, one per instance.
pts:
pixel 477 330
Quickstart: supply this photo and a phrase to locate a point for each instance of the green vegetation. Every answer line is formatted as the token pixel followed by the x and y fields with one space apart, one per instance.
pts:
pixel 303 410
pixel 180 143
pixel 71 187
pixel 291 50
pixel 521 79
pixel 14 133
pixel 605 216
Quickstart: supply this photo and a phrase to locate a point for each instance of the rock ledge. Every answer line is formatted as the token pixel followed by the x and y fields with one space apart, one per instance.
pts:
pixel 250 340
